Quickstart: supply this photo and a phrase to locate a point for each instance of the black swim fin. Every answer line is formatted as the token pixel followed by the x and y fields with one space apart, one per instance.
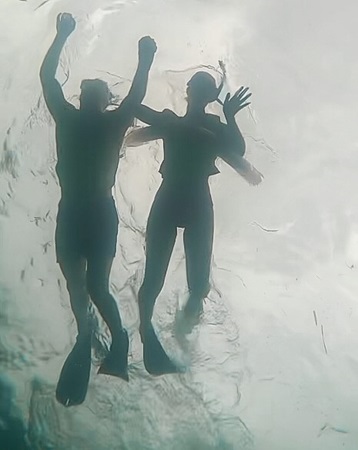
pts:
pixel 156 361
pixel 116 362
pixel 72 385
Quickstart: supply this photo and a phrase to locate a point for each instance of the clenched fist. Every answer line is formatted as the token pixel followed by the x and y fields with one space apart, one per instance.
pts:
pixel 65 24
pixel 146 49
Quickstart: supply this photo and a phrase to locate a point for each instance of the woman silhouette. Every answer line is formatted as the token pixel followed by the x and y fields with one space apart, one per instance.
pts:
pixel 191 145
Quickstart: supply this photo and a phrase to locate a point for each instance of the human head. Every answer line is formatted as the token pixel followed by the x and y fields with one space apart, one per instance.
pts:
pixel 95 95
pixel 201 88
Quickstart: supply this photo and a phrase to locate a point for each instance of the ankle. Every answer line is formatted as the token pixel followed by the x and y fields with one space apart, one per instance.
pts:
pixel 118 339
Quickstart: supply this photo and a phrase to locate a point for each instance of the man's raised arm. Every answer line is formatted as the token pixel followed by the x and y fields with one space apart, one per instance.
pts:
pixel 52 90
pixel 146 51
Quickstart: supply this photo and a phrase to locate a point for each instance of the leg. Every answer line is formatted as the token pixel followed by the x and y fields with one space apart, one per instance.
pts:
pixel 74 271
pixel 74 378
pixel 98 272
pixel 198 243
pixel 160 243
pixel 161 235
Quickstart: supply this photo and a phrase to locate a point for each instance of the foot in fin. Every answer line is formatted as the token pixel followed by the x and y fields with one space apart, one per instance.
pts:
pixel 72 385
pixel 156 361
pixel 189 316
pixel 193 308
pixel 116 362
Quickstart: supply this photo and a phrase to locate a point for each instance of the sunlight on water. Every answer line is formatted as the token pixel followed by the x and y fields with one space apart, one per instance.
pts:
pixel 273 363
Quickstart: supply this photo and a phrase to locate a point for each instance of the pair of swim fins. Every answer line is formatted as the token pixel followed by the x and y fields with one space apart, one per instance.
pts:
pixel 75 374
pixel 74 378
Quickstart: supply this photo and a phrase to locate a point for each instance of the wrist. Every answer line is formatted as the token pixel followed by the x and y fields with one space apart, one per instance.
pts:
pixel 145 62
pixel 229 117
pixel 61 37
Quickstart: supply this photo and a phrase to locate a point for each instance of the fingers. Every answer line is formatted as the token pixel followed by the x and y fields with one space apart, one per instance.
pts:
pixel 64 16
pixel 147 40
pixel 147 43
pixel 243 106
pixel 240 96
pixel 241 92
pixel 227 97
pixel 243 99
pixel 65 19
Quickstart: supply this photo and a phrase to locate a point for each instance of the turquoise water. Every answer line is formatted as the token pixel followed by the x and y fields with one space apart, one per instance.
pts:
pixel 273 364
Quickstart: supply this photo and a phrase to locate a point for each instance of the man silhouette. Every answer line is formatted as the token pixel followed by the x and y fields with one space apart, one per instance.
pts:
pixel 88 141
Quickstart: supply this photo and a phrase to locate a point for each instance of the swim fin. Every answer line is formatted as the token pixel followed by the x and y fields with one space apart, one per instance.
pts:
pixel 156 361
pixel 72 385
pixel 116 362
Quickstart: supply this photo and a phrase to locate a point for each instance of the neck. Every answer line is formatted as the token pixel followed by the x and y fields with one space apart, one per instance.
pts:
pixel 90 110
pixel 195 109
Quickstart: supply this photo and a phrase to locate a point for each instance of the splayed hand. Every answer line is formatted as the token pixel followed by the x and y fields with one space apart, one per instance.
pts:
pixel 237 102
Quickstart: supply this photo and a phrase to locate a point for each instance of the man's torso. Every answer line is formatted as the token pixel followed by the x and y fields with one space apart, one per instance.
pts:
pixel 87 153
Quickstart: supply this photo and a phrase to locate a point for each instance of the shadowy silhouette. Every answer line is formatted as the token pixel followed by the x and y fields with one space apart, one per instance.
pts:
pixel 191 145
pixel 88 141
pixel 72 386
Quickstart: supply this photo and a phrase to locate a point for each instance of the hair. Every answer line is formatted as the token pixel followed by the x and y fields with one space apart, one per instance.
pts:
pixel 98 86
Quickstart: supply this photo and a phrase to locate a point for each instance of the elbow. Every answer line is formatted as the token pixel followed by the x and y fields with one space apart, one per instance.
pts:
pixel 47 72
pixel 43 74
pixel 140 94
pixel 239 149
